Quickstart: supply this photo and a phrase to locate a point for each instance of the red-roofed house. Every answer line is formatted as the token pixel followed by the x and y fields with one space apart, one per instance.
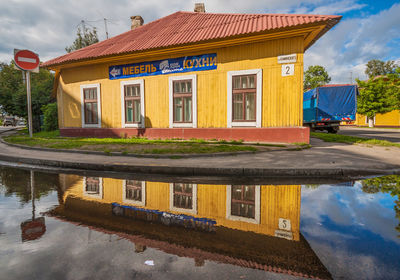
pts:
pixel 192 75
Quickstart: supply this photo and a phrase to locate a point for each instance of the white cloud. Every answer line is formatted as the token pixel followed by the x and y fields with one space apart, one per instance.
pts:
pixel 346 49
pixel 337 7
pixel 47 27
pixel 347 206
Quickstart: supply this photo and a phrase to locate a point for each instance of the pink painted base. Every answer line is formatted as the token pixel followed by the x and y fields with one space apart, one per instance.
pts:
pixel 269 135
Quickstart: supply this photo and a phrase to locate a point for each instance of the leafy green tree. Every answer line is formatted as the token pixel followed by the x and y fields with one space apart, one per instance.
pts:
pixel 396 87
pixel 377 67
pixel 84 38
pixel 13 92
pixel 379 95
pixel 386 184
pixel 315 76
pixel 50 121
pixel 17 182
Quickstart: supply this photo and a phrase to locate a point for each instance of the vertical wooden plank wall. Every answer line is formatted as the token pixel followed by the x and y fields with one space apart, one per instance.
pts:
pixel 282 96
pixel 277 201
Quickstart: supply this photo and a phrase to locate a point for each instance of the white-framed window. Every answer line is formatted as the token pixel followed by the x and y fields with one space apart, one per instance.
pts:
pixel 93 187
pixel 243 203
pixel 134 192
pixel 183 101
pixel 91 105
pixel 132 103
pixel 244 98
pixel 183 197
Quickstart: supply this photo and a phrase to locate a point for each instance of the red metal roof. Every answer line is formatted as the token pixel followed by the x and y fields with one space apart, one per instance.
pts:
pixel 190 27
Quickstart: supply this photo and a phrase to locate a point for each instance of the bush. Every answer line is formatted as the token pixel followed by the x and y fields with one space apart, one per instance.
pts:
pixel 50 121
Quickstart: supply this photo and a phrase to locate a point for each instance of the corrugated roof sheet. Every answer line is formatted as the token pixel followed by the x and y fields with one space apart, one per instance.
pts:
pixel 190 27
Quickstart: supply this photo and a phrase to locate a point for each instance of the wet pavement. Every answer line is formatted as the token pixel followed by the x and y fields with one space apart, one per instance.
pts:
pixel 80 227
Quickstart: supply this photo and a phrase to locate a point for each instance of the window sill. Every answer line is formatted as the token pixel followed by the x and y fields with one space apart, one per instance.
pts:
pixel 184 210
pixel 91 126
pixel 187 125
pixel 134 202
pixel 246 124
pixel 242 219
pixel 133 125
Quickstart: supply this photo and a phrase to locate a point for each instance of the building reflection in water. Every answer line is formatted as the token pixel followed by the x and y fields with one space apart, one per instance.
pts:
pixel 255 226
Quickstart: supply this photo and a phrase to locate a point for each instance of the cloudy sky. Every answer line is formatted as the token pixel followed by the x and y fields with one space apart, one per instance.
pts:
pixel 369 29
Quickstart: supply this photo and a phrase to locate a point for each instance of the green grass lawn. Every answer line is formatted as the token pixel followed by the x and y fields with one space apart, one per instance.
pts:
pixel 329 137
pixel 133 145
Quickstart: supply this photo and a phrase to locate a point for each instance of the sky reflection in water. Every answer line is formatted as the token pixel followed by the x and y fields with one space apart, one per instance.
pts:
pixel 351 232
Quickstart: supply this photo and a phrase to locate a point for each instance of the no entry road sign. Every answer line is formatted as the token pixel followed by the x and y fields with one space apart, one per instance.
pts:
pixel 26 60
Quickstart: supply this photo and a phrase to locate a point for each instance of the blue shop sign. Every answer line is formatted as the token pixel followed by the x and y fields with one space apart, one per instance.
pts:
pixel 165 66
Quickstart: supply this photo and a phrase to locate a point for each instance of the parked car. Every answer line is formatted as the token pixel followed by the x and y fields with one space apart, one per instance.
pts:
pixel 21 123
pixel 10 121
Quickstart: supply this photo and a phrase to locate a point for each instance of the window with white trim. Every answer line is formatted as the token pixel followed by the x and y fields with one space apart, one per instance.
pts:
pixel 183 101
pixel 93 187
pixel 134 192
pixel 91 107
pixel 243 203
pixel 132 103
pixel 244 98
pixel 183 197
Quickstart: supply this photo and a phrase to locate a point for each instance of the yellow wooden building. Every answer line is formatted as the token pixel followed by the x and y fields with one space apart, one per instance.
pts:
pixel 390 119
pixel 271 210
pixel 256 226
pixel 191 75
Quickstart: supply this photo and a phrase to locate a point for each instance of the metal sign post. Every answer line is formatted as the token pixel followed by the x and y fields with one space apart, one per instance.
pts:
pixel 29 101
pixel 28 62
pixel 33 194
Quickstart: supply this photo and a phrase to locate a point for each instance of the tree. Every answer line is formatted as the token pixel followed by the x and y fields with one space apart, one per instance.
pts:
pixel 377 67
pixel 315 76
pixel 386 184
pixel 379 95
pixel 84 38
pixel 50 120
pixel 17 182
pixel 13 92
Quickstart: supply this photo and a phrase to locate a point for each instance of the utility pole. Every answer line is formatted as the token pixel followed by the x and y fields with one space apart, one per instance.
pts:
pixel 105 26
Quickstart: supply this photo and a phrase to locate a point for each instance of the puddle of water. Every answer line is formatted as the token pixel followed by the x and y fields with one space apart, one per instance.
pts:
pixel 97 227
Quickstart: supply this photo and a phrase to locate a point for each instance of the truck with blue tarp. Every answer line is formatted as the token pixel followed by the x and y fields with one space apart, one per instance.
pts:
pixel 325 107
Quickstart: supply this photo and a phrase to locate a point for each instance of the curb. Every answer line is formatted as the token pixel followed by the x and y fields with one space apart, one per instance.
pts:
pixel 204 171
pixel 88 152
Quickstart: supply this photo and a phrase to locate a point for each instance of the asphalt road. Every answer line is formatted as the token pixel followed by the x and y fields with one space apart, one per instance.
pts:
pixel 5 128
pixel 392 135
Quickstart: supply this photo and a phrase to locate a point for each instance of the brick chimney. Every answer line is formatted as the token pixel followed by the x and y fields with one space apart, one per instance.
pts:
pixel 199 8
pixel 136 21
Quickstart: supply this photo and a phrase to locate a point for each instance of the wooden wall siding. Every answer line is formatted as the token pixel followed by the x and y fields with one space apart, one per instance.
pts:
pixel 388 119
pixel 282 96
pixel 276 202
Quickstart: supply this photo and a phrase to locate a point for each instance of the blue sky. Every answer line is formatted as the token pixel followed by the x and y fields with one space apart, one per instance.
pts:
pixel 352 232
pixel 369 29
